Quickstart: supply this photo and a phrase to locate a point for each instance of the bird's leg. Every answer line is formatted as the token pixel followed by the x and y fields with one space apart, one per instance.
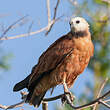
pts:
pixel 68 95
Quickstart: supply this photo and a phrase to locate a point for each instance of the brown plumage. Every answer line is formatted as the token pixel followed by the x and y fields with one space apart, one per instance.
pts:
pixel 61 63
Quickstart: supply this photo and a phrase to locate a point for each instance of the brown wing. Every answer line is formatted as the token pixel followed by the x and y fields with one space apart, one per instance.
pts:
pixel 51 57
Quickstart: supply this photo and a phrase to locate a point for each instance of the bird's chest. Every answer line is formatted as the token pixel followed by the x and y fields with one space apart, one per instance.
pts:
pixel 81 55
pixel 78 59
pixel 77 62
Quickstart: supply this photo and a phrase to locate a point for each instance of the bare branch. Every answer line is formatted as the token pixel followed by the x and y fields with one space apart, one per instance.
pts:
pixel 53 98
pixel 92 103
pixel 20 104
pixel 108 100
pixel 55 9
pixel 103 103
pixel 44 105
pixel 51 25
pixel 30 27
pixel 99 93
pixel 46 28
pixel 48 11
pixel 106 1
pixel 10 27
pixel 24 35
pixel 52 22
pixel 31 33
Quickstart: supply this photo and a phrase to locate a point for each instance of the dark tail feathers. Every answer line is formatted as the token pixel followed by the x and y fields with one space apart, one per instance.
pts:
pixel 36 101
pixel 21 85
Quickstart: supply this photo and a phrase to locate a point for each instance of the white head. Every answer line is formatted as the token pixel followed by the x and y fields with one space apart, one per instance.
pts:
pixel 78 24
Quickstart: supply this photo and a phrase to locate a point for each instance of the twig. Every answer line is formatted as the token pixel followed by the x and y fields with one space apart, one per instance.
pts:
pixel 20 104
pixel 30 27
pixel 108 100
pixel 99 93
pixel 92 103
pixel 53 98
pixel 99 100
pixel 46 28
pixel 44 105
pixel 48 11
pixel 51 23
pixel 103 103
pixel 10 27
pixel 106 1
pixel 55 9
pixel 24 35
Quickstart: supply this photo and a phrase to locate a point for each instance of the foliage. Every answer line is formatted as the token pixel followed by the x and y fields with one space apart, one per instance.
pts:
pixel 4 61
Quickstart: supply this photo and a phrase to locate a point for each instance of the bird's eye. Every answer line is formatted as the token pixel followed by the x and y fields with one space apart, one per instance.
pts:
pixel 77 21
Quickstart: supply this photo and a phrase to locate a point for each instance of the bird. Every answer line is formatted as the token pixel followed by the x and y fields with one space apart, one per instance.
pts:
pixel 61 63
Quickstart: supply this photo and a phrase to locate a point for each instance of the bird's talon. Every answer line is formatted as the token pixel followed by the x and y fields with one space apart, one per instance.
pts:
pixel 68 96
pixel 71 96
pixel 64 99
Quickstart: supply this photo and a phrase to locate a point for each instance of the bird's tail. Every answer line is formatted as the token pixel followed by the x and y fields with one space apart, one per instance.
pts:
pixel 36 100
pixel 21 85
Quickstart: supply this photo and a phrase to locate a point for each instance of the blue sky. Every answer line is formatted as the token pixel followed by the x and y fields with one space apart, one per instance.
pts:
pixel 26 51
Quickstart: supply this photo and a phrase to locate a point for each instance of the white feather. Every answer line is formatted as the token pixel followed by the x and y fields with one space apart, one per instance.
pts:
pixel 81 26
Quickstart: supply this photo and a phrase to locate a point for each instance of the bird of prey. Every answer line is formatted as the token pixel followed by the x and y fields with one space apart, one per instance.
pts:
pixel 61 63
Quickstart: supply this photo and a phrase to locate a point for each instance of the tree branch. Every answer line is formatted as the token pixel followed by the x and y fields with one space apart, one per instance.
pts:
pixel 24 35
pixel 20 104
pixel 44 105
pixel 11 26
pixel 52 22
pixel 99 93
pixel 48 11
pixel 105 104
pixel 106 1
pixel 92 103
pixel 46 28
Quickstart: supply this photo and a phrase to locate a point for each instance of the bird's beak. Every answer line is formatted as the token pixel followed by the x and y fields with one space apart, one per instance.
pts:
pixel 70 23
